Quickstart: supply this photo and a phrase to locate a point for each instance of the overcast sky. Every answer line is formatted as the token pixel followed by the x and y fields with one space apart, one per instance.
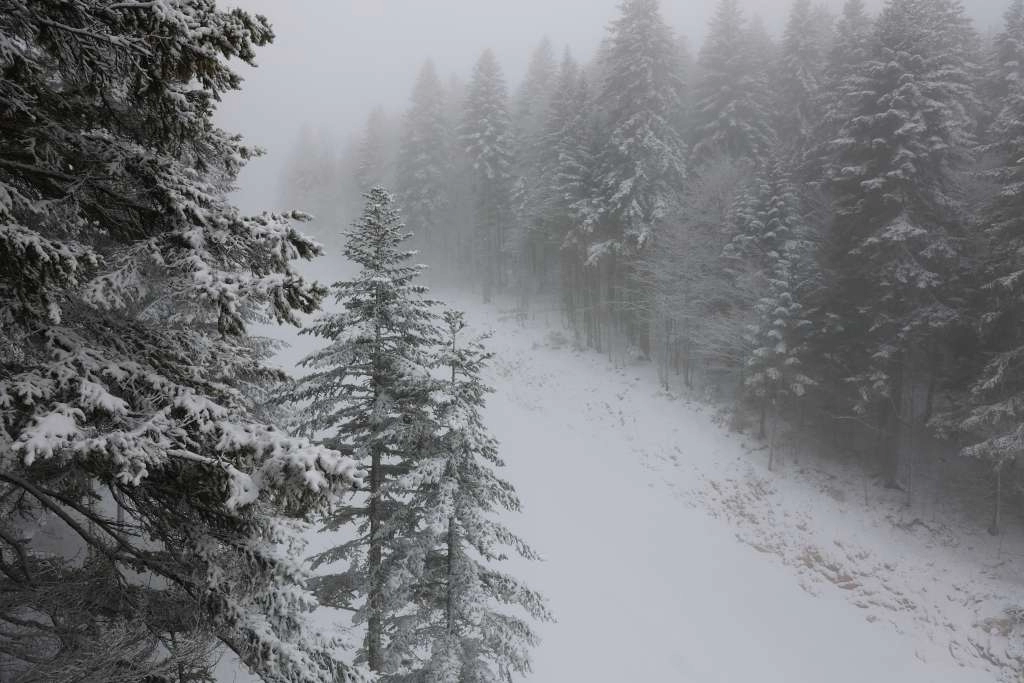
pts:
pixel 334 60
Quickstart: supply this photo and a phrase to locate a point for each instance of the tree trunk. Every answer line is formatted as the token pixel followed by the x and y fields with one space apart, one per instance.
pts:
pixel 450 597
pixel 374 641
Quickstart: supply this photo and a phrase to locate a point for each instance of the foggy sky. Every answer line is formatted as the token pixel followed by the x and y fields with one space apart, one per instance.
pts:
pixel 334 60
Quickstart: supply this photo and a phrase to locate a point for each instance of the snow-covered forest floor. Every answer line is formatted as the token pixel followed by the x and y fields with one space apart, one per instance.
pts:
pixel 673 554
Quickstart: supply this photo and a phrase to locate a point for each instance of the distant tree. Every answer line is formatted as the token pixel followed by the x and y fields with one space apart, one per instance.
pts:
pixel 373 165
pixel 772 253
pixel 425 166
pixel 369 393
pixel 801 72
pixel 732 111
pixel 486 137
pixel 127 424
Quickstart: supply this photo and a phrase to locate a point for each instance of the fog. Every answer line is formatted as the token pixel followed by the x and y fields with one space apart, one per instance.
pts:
pixel 335 60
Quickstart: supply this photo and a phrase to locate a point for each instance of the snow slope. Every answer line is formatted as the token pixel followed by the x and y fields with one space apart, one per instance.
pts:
pixel 639 503
pixel 672 554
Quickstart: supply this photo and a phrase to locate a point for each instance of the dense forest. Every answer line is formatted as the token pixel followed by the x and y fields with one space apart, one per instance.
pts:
pixel 824 228
pixel 821 231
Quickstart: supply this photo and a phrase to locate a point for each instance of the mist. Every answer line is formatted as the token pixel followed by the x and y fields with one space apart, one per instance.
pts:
pixel 333 61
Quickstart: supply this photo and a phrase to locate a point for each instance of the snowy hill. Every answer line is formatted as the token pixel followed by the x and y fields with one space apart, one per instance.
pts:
pixel 673 554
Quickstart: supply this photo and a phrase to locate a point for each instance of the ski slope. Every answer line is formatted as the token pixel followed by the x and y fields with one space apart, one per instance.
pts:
pixel 672 554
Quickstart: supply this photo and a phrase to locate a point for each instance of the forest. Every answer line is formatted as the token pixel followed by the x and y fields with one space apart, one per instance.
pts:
pixel 817 237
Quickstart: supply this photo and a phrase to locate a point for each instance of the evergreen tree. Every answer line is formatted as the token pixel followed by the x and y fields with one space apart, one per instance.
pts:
pixel 993 423
pixel 372 158
pixel 641 166
pixel 802 63
pixel 567 179
pixel 771 249
pixel 486 137
pixel 369 393
pixel 424 160
pixel 127 427
pixel 732 113
pixel 462 607
pixel 897 232
pixel 526 241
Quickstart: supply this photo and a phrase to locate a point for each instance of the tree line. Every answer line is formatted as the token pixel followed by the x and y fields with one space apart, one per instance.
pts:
pixel 824 226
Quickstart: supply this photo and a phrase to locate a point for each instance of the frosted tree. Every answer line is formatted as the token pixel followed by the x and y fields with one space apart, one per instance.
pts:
pixel 641 166
pixel 801 67
pixel 526 243
pixel 850 48
pixel 424 164
pixel 993 423
pixel 471 621
pixel 772 253
pixel 127 283
pixel 368 392
pixel 897 230
pixel 486 137
pixel 373 160
pixel 732 111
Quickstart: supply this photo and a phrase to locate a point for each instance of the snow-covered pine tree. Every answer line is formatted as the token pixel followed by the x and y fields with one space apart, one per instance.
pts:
pixel 897 232
pixel 486 137
pixel 127 281
pixel 424 166
pixel 567 172
pixel 996 406
pixel 470 620
pixel 732 111
pixel 640 160
pixel 368 392
pixel 373 159
pixel 526 241
pixel 800 76
pixel 850 47
pixel 771 250
pixel 641 165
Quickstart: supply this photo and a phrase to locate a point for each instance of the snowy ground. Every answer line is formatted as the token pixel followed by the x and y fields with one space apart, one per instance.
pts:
pixel 672 554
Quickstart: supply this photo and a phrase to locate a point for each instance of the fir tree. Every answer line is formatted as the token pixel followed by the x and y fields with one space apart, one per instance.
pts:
pixel 732 113
pixel 127 427
pixel 486 137
pixel 772 250
pixel 897 230
pixel 462 610
pixel 802 63
pixel 424 160
pixel 993 423
pixel 372 158
pixel 641 166
pixel 369 394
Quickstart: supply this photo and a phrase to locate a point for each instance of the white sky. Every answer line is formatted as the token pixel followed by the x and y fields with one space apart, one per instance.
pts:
pixel 334 60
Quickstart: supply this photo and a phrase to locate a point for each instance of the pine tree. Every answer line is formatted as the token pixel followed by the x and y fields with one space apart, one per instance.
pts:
pixel 373 166
pixel 732 107
pixel 772 251
pixel 802 63
pixel 641 166
pixel 486 137
pixel 424 161
pixel 127 424
pixel 849 50
pixel 897 230
pixel 993 422
pixel 526 242
pixel 461 620
pixel 368 392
